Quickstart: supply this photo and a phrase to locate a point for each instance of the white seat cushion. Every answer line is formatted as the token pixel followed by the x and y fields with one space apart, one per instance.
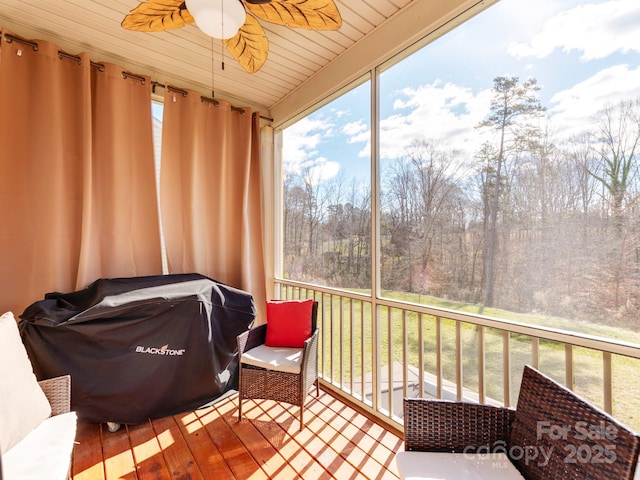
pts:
pixel 281 359
pixel 45 453
pixel 23 404
pixel 455 466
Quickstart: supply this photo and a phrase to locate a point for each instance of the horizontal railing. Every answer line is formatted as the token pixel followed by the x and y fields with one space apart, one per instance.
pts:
pixel 406 349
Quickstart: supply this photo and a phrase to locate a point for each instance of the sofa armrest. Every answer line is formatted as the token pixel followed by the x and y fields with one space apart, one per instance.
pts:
pixel 58 392
pixel 445 426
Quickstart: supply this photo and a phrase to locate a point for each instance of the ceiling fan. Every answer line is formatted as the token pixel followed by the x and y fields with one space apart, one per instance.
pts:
pixel 235 21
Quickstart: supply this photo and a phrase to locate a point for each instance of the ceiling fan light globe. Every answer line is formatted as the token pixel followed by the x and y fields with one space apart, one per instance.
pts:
pixel 218 18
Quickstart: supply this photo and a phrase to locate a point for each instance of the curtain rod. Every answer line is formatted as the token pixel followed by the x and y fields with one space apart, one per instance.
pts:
pixel 184 93
pixel 11 38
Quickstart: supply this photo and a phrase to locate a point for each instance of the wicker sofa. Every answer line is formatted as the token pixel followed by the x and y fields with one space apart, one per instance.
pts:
pixel 37 428
pixel 551 434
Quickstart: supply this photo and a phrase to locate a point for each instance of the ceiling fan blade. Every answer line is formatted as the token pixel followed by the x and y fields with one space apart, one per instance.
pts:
pixel 310 14
pixel 250 46
pixel 157 16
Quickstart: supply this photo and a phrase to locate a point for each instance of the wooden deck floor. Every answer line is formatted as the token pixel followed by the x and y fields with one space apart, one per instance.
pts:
pixel 210 443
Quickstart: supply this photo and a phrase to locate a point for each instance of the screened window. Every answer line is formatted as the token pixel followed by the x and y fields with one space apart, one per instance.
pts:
pixel 327 193
pixel 508 172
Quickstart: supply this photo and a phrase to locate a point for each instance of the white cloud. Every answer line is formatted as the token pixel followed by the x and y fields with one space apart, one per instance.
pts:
pixel 355 128
pixel 323 170
pixel 341 113
pixel 448 111
pixel 575 108
pixel 596 30
pixel 451 113
pixel 301 149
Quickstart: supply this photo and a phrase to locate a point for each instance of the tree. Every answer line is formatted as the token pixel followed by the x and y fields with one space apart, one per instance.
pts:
pixel 294 200
pixel 398 219
pixel 423 198
pixel 313 208
pixel 512 105
pixel 435 185
pixel 619 131
pixel 348 230
pixel 580 155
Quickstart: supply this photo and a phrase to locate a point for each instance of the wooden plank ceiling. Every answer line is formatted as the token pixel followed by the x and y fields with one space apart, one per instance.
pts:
pixel 186 57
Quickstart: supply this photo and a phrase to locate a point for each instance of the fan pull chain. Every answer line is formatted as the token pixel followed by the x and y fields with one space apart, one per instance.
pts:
pixel 222 40
pixel 213 93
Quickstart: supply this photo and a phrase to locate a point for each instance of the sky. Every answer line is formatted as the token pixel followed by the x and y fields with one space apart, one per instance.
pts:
pixel 585 55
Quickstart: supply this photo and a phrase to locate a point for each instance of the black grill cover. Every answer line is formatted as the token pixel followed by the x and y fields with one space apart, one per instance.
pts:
pixel 139 348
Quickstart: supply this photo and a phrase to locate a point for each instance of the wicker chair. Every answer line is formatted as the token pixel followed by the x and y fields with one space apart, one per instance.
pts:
pixel 58 392
pixel 269 381
pixel 585 441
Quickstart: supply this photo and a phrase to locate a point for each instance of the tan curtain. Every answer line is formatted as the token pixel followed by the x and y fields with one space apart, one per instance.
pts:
pixel 121 234
pixel 58 222
pixel 210 191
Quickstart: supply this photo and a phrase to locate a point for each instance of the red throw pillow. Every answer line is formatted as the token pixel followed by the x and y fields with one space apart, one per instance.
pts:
pixel 288 322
